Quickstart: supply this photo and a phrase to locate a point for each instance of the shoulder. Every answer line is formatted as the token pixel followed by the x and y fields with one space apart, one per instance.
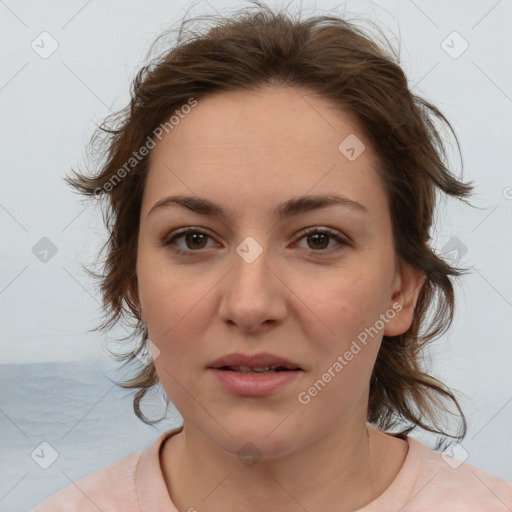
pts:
pixel 446 483
pixel 107 489
pixel 131 484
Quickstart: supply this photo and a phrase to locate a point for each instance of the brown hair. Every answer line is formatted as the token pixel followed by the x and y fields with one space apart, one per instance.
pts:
pixel 336 59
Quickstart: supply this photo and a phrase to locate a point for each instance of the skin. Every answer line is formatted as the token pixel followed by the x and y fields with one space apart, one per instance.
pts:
pixel 302 299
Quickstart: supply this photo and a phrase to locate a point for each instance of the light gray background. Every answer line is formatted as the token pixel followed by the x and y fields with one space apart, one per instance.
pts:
pixel 52 371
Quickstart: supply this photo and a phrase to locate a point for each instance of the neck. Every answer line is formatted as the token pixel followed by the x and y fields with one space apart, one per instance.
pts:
pixel 343 470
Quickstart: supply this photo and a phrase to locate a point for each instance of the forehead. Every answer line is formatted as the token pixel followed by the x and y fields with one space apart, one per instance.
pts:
pixel 261 119
pixel 264 143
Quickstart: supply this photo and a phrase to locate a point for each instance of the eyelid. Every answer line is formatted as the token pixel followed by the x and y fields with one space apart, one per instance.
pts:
pixel 173 235
pixel 334 233
pixel 339 237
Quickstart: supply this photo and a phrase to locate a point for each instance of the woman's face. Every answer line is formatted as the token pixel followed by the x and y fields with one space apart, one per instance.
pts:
pixel 252 280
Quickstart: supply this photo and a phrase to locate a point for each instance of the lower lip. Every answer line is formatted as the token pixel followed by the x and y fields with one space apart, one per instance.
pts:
pixel 254 384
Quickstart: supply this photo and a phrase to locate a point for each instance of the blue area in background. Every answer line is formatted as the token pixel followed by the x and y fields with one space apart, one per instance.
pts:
pixel 75 408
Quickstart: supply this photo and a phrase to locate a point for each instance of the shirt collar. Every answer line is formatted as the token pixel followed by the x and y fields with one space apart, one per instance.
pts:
pixel 149 480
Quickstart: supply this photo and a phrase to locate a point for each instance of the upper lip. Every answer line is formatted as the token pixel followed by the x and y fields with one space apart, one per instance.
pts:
pixel 255 360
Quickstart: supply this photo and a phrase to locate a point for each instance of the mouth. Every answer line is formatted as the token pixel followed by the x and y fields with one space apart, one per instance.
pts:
pixel 258 369
pixel 262 362
pixel 256 381
pixel 255 375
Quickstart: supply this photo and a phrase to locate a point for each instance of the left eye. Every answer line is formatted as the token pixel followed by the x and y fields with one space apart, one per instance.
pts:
pixel 321 237
pixel 195 237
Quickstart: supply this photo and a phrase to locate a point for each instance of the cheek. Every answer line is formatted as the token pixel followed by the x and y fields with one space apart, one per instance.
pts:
pixel 344 337
pixel 177 306
pixel 173 312
pixel 173 306
pixel 167 293
pixel 342 307
pixel 342 344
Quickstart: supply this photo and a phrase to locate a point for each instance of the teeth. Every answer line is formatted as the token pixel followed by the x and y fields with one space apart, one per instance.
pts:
pixel 248 369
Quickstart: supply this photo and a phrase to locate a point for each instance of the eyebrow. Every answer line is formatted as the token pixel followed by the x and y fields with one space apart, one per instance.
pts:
pixel 289 208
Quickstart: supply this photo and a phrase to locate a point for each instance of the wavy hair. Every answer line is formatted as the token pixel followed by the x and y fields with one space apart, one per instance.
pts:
pixel 259 47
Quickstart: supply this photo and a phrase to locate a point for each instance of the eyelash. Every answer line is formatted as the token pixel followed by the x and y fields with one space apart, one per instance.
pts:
pixel 172 237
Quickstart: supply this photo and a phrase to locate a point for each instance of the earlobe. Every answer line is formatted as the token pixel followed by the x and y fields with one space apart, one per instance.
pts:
pixel 404 300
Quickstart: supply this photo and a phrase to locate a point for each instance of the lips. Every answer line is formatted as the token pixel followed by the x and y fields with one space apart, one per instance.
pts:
pixel 255 369
pixel 257 363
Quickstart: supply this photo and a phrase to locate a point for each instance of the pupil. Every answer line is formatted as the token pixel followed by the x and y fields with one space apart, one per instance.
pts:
pixel 192 237
pixel 315 237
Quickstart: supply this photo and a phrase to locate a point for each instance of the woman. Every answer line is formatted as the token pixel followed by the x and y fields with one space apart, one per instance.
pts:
pixel 271 188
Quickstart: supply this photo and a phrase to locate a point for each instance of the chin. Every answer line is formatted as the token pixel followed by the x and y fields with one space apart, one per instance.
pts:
pixel 259 439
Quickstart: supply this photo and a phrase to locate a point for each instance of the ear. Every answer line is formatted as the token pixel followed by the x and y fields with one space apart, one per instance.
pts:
pixel 406 289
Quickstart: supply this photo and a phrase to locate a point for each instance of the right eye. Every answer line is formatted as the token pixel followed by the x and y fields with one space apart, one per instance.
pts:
pixel 194 240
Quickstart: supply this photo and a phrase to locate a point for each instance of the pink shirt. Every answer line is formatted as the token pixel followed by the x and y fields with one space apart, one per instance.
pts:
pixel 426 482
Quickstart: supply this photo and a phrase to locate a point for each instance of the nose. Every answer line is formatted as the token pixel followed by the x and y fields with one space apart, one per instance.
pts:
pixel 253 296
